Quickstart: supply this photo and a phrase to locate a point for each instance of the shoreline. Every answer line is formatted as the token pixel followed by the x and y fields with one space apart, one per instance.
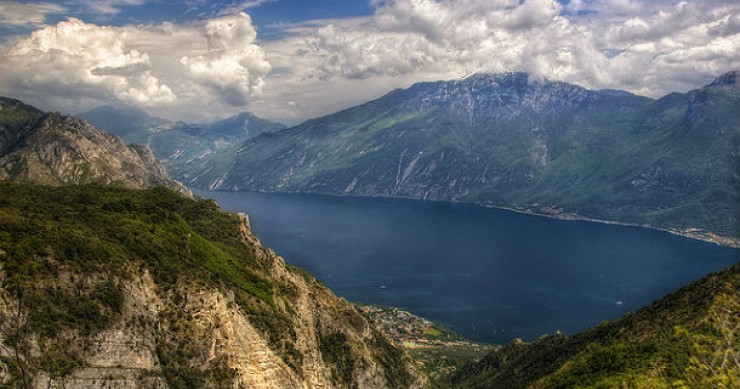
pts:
pixel 690 233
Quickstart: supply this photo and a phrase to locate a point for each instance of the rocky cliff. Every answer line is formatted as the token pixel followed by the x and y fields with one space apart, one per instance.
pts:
pixel 107 287
pixel 51 149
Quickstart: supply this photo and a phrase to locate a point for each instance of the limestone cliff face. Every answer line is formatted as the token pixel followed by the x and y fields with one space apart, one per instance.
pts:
pixel 52 149
pixel 191 332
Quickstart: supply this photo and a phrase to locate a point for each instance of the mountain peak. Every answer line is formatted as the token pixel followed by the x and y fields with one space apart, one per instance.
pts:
pixel 729 78
pixel 504 77
pixel 121 120
pixel 17 104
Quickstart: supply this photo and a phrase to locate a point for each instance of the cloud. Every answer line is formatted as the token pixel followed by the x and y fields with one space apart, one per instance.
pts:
pixel 406 36
pixel 75 57
pixel 23 14
pixel 233 66
pixel 648 47
pixel 108 7
pixel 218 66
pixel 672 47
pixel 184 70
pixel 242 5
pixel 407 41
pixel 532 14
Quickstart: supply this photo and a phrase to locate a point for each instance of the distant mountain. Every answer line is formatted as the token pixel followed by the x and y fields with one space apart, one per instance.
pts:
pixel 51 149
pixel 180 146
pixel 511 141
pixel 126 122
pixel 689 339
pixel 104 287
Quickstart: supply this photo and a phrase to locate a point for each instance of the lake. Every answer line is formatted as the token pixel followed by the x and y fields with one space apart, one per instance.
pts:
pixel 491 275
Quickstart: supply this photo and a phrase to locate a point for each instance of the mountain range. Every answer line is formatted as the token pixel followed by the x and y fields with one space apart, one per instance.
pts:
pixel 110 285
pixel 512 141
pixel 180 146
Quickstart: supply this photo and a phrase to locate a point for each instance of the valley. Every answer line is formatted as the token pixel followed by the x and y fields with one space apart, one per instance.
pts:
pixel 101 228
pixel 369 194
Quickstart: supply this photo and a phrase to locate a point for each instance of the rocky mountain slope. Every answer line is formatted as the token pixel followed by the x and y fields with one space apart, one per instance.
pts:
pixel 51 149
pixel 180 146
pixel 510 141
pixel 689 339
pixel 110 287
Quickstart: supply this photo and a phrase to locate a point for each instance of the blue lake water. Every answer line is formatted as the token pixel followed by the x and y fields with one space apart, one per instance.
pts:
pixel 491 275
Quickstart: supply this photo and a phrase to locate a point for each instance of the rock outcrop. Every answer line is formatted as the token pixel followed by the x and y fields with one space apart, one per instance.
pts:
pixel 51 149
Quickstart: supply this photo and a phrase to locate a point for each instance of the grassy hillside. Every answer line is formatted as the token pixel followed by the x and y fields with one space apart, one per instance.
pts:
pixel 689 339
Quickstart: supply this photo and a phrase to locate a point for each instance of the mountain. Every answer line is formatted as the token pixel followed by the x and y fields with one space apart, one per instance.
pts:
pixel 51 149
pixel 511 141
pixel 111 287
pixel 180 146
pixel 126 122
pixel 689 339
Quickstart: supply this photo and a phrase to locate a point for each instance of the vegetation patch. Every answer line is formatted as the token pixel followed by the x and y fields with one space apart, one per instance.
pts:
pixel 64 252
pixel 336 350
pixel 393 361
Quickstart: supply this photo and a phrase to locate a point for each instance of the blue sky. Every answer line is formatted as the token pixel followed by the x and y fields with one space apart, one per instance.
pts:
pixel 268 16
pixel 290 60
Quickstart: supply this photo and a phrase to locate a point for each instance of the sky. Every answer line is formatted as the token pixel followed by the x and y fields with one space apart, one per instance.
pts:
pixel 291 60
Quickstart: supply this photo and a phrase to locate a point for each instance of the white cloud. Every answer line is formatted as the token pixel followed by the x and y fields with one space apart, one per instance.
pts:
pixel 74 57
pixel 233 66
pixel 218 66
pixel 242 5
pixel 108 6
pixel 417 40
pixel 626 7
pixel 672 47
pixel 22 14
pixel 182 70
pixel 648 47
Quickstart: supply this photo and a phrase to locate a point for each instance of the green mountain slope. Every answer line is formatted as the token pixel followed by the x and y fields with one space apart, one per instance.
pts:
pixel 689 339
pixel 51 149
pixel 505 140
pixel 109 287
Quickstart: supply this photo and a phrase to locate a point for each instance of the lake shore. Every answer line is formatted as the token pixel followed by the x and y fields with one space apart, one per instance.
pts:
pixel 502 265
pixel 437 350
pixel 691 233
